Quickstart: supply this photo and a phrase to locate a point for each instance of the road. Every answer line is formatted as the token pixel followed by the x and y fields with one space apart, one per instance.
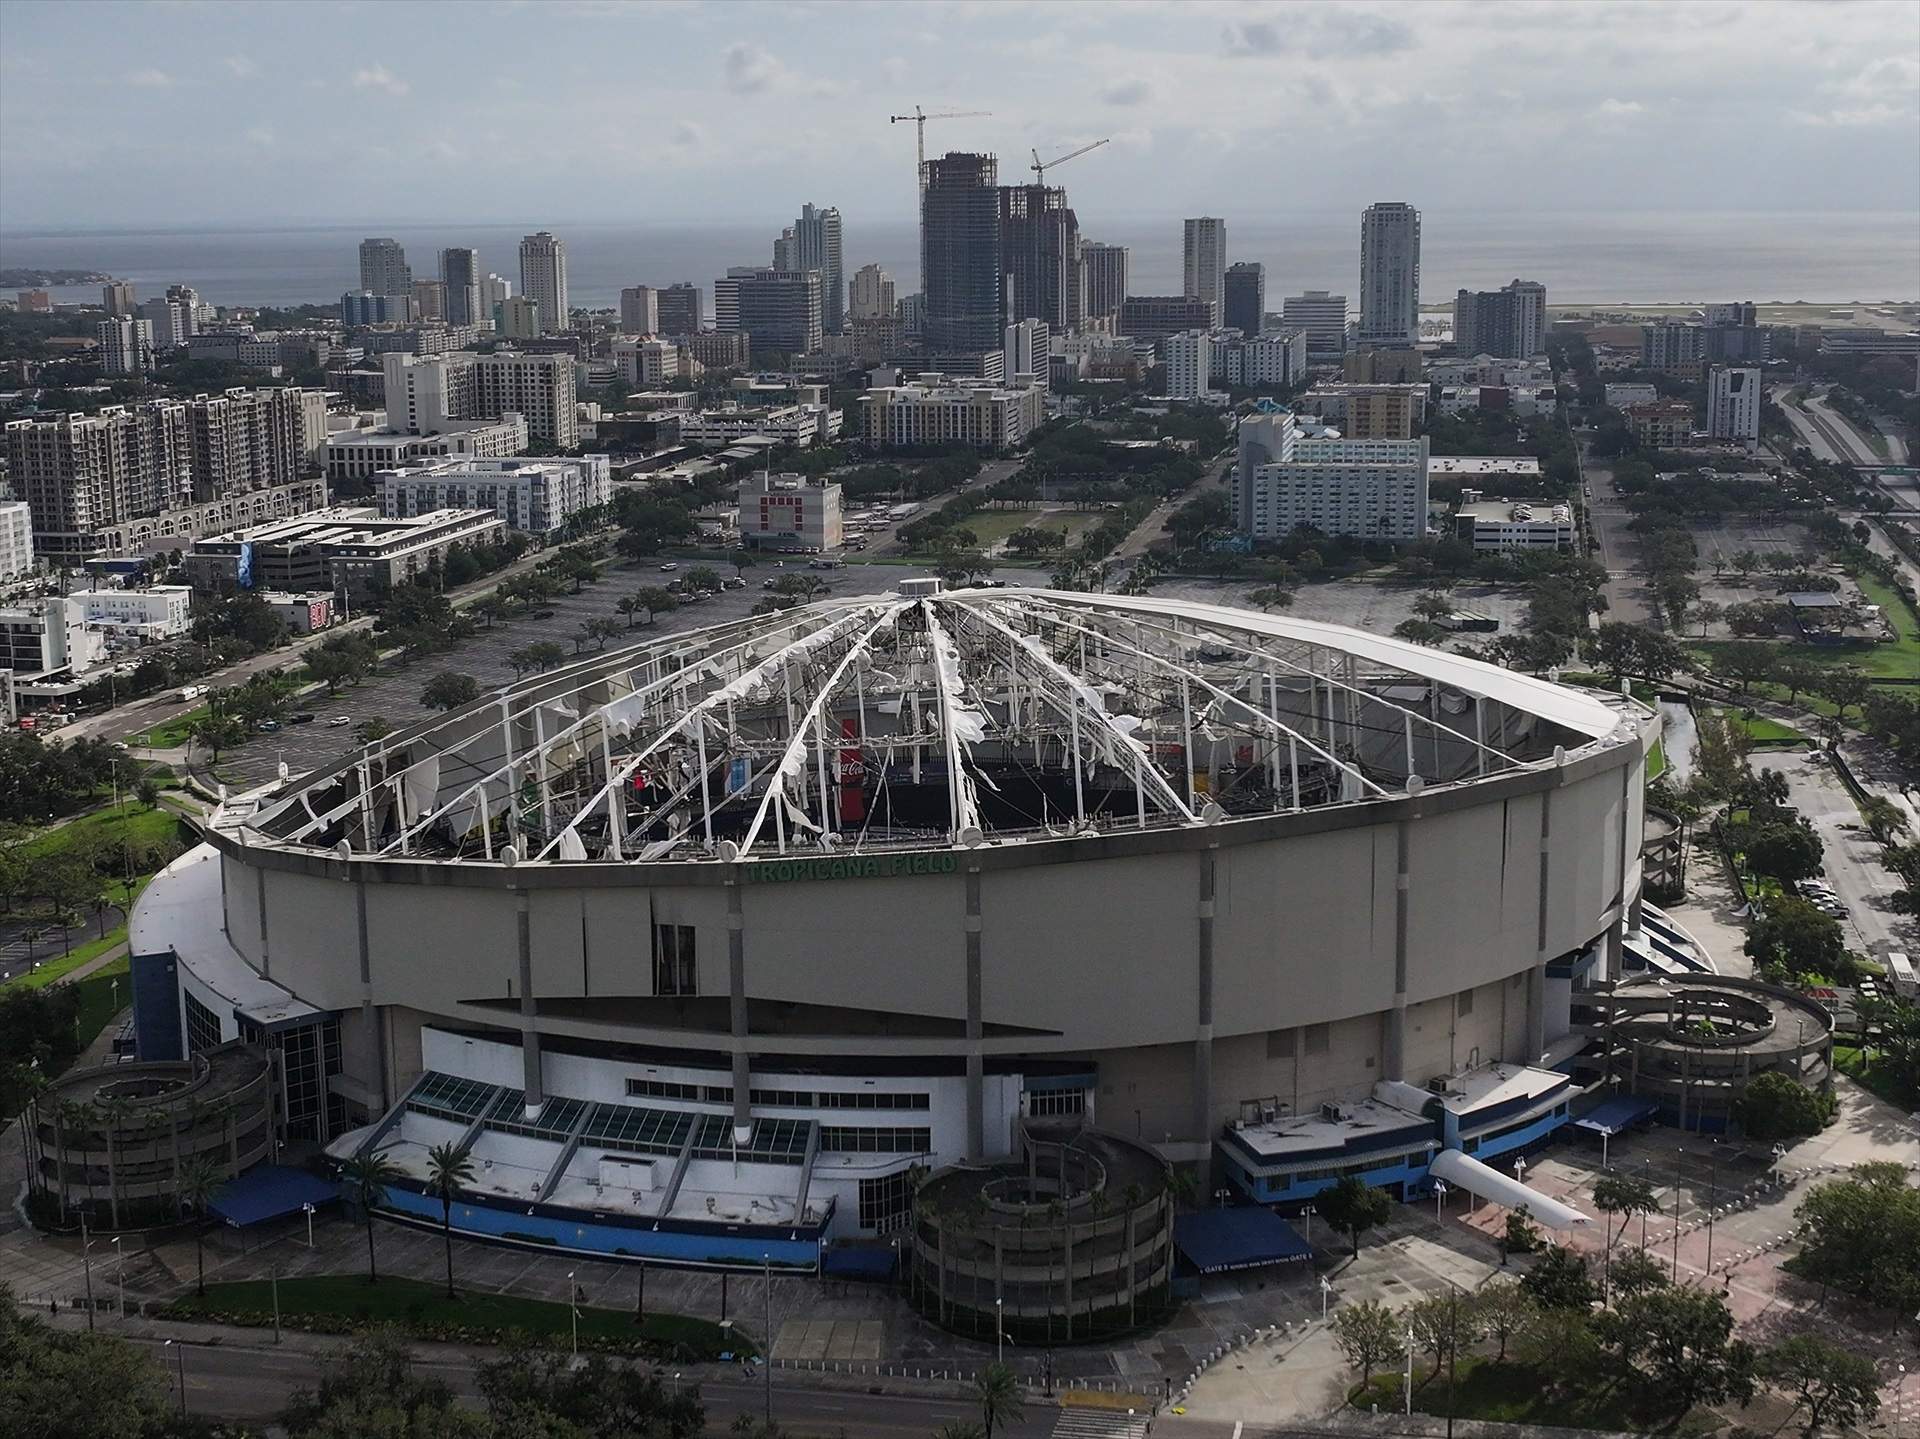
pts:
pixel 1824 430
pixel 252 1382
pixel 1626 592
pixel 1852 856
pixel 1154 525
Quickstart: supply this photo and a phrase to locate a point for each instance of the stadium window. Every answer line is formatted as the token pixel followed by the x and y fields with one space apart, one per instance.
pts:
pixel 1463 1005
pixel 673 966
pixel 1281 1043
pixel 1318 1036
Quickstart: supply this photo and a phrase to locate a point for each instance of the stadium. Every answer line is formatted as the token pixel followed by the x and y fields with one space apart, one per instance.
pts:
pixel 711 950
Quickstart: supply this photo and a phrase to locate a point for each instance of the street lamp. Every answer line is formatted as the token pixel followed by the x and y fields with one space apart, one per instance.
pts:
pixel 999 1330
pixel 1439 1197
pixel 1307 1210
pixel 180 1365
pixel 573 1314
pixel 308 1207
pixel 766 1261
pixel 1713 1197
pixel 120 1275
pixel 1678 1155
pixel 1325 1290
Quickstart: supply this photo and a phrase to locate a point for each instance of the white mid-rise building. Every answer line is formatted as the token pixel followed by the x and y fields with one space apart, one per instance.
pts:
pixel 646 362
pixel 797 425
pixel 1028 347
pixel 126 346
pixel 939 409
pixel 1621 393
pixel 160 612
pixel 871 293
pixel 362 454
pixel 1189 361
pixel 790 512
pixel 1274 359
pixel 1367 489
pixel 539 496
pixel 48 636
pixel 1733 404
pixel 1513 524
pixel 16 539
pixel 1322 316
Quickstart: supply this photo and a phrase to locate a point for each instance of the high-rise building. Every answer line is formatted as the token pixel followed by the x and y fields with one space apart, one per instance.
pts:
pixel 1189 360
pixel 1105 269
pixel 681 309
pixel 460 273
pixel 960 260
pixel 1028 346
pixel 173 321
pixel 1390 274
pixel 493 289
pixel 126 346
pixel 646 362
pixel 816 244
pixel 1322 316
pixel 242 440
pixel 1204 260
pixel 367 308
pixel 1154 317
pixel 82 473
pixel 639 310
pixel 1245 304
pixel 871 294
pixel 34 302
pixel 383 268
pixel 424 392
pixel 430 300
pixel 117 297
pixel 16 539
pixel 779 310
pixel 1510 322
pixel 1040 256
pixel 517 318
pixel 543 279
pixel 1733 404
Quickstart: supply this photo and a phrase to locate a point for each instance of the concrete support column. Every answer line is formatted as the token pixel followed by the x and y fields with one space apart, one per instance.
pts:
pixel 266 949
pixel 1394 1062
pixel 976 1067
pixel 1614 950
pixel 369 1015
pixel 531 1083
pixel 1203 1024
pixel 737 1005
pixel 1537 976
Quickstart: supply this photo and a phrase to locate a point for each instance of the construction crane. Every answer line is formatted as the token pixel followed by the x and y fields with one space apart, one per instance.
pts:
pixel 1040 167
pixel 920 118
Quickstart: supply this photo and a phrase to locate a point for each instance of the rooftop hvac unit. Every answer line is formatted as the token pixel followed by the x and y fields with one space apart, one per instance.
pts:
pixel 1438 1084
pixel 1331 1113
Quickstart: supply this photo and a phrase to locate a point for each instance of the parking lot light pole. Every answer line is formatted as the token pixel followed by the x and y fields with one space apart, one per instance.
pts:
pixel 1713 1196
pixel 86 1265
pixel 766 1324
pixel 1439 1197
pixel 1677 1155
pixel 180 1365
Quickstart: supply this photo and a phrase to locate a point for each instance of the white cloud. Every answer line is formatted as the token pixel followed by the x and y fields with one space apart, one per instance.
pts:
pixel 379 77
pixel 1612 109
pixel 1850 117
pixel 1133 90
pixel 150 79
pixel 260 135
pixel 749 69
pixel 1254 37
pixel 242 66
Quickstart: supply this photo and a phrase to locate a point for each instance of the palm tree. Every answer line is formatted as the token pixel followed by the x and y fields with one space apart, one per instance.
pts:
pixel 998 1393
pixel 448 1168
pixel 200 1179
pixel 370 1174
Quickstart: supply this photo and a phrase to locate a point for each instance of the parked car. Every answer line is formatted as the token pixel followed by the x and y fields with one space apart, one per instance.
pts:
pixel 733 582
pixel 668 568
pixel 304 717
pixel 338 720
pixel 268 726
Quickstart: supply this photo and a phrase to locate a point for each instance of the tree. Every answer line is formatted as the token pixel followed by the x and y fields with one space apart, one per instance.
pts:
pixel 631 606
pixel 1833 1384
pixel 997 1392
pixel 1797 938
pixel 1683 1338
pixel 1558 1341
pixel 1777 1106
pixel 147 792
pixel 1559 1280
pixel 370 1389
pixel 1861 1234
pixel 369 1175
pixel 448 1168
pixel 1272 597
pixel 1797 675
pixel 1625 1196
pixel 1884 819
pixel 1787 852
pixel 1368 1335
pixel 545 654
pixel 55 1381
pixel 1747 662
pixel 1353 1207
pixel 591 1395
pixel 1637 1271
pixel 1421 632
pixel 1432 605
pixel 1501 1310
pixel 1522 1235
pixel 1441 1325
pixel 367 731
pixel 1846 687
pixel 703 577
pixel 198 1182
pixel 449 691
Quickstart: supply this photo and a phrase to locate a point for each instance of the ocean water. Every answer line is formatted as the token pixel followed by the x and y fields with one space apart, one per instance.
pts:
pixel 1641 258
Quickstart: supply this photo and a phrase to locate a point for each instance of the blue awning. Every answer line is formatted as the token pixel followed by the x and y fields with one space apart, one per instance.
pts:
pixel 268 1191
pixel 1611 1116
pixel 1246 1237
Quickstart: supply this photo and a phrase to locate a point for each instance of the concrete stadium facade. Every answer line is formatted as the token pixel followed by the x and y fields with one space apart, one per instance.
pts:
pixel 1274 866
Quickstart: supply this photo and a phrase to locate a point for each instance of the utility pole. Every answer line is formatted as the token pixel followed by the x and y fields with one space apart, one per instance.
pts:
pixel 766 1328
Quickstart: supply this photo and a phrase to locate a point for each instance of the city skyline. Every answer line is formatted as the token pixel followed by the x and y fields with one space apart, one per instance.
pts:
pixel 1190 96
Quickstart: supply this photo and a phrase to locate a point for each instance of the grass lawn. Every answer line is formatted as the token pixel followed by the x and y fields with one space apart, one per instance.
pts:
pixel 1767 733
pixel 173 733
pixel 1857 1064
pixel 349 1301
pixel 103 994
pixel 993 526
pixel 129 822
pixel 1656 761
pixel 58 968
pixel 1509 1392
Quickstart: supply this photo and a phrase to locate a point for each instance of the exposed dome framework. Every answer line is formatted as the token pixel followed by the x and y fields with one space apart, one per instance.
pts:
pixel 878 723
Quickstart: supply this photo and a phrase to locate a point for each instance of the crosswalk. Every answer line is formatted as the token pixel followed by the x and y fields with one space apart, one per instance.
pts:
pixel 1078 1423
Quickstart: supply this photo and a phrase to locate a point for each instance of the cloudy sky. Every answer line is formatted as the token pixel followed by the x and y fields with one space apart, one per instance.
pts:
pixel 190 111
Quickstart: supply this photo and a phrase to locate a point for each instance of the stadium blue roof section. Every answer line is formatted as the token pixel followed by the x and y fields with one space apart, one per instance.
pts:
pixel 269 1191
pixel 1216 1241
pixel 1610 1116
pixel 858 1261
